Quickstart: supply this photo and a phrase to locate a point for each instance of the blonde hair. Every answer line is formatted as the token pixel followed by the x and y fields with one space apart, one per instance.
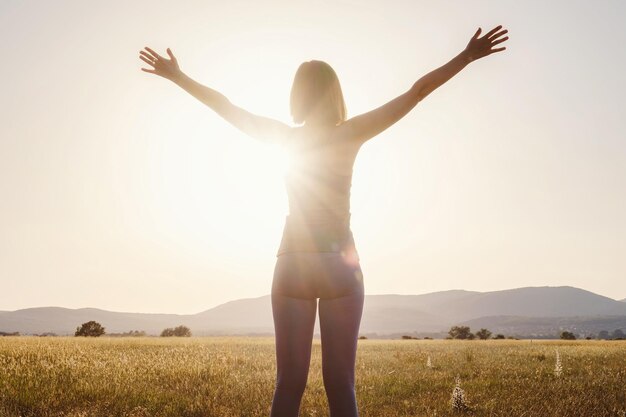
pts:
pixel 316 90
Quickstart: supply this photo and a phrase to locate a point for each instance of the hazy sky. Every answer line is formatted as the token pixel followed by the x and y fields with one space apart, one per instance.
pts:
pixel 118 190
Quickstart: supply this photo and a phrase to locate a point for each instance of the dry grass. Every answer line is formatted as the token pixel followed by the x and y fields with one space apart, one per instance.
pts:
pixel 235 377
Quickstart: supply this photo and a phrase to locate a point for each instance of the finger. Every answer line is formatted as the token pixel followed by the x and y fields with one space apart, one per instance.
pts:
pixel 497 35
pixel 499 41
pixel 154 53
pixel 492 31
pixel 498 49
pixel 146 60
pixel 169 52
pixel 147 56
pixel 477 33
pixel 148 70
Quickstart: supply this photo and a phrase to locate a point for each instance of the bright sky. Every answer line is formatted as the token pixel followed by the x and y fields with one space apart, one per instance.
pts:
pixel 118 190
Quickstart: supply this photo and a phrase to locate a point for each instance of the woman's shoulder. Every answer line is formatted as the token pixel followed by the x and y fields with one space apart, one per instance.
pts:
pixel 323 134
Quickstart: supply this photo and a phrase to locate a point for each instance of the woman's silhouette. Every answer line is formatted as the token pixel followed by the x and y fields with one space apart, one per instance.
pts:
pixel 317 257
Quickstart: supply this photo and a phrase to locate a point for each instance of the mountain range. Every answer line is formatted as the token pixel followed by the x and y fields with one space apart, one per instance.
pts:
pixel 522 312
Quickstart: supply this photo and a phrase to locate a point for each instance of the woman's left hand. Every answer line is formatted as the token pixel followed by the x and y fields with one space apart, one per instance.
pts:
pixel 166 68
pixel 481 47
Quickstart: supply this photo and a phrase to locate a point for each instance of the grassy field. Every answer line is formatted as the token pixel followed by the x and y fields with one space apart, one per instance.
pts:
pixel 69 376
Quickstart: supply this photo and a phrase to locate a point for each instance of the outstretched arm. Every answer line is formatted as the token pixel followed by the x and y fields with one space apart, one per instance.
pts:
pixel 256 126
pixel 370 124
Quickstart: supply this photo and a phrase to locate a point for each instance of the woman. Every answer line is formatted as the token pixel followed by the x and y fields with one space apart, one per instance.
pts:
pixel 317 257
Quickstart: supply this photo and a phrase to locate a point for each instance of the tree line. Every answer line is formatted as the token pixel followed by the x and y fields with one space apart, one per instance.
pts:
pixel 464 333
pixel 94 329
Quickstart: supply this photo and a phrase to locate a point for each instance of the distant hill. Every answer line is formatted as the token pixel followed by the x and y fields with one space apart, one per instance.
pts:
pixel 535 302
pixel 529 311
pixel 64 320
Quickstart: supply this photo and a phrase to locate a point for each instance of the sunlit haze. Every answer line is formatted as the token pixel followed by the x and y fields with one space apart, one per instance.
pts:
pixel 118 190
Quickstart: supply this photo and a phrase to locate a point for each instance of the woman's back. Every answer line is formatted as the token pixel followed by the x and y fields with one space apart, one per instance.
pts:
pixel 318 181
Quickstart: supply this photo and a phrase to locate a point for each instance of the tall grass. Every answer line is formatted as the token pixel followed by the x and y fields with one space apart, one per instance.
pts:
pixel 224 377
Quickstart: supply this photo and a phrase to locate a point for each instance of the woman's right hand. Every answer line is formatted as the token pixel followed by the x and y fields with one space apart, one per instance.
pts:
pixel 481 47
pixel 166 68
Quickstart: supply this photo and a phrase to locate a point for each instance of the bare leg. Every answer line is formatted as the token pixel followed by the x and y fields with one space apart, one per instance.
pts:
pixel 340 319
pixel 294 320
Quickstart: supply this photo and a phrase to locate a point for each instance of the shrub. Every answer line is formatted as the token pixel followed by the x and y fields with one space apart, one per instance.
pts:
pixel 458 401
pixel 460 332
pixel 179 331
pixel 90 329
pixel 483 334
